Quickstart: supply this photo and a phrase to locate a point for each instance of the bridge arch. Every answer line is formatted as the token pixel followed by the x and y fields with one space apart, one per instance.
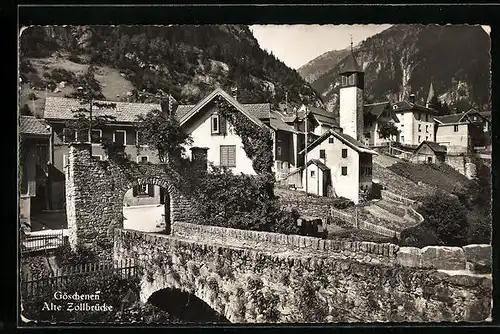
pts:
pixel 95 191
pixel 185 306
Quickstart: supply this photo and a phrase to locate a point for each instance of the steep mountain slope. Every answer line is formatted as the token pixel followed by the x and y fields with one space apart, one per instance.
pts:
pixel 187 61
pixel 322 64
pixel 405 59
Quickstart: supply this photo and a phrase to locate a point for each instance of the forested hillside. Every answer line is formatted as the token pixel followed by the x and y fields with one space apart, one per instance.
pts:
pixel 187 61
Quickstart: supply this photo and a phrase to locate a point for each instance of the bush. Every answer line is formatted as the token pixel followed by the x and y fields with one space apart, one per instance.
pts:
pixel 64 256
pixel 25 110
pixel 445 222
pixel 74 58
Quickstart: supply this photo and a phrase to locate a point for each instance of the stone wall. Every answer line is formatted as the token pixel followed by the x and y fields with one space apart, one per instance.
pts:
pixel 95 191
pixel 430 257
pixel 463 164
pixel 250 285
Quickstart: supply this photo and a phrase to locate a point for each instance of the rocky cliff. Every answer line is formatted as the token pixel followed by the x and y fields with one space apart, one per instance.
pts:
pixel 405 59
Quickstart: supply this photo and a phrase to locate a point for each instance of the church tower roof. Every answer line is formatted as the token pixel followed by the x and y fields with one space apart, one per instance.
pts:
pixel 350 65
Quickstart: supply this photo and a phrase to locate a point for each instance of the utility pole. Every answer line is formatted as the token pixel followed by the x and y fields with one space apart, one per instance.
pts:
pixel 286 102
pixel 91 100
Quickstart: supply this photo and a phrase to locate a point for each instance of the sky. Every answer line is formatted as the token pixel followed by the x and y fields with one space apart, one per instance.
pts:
pixel 297 44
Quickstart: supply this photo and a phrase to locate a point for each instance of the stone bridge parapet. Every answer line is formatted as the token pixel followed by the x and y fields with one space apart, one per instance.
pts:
pixel 256 283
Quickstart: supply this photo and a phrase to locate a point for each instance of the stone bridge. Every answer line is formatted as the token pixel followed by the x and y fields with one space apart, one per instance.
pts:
pixel 250 276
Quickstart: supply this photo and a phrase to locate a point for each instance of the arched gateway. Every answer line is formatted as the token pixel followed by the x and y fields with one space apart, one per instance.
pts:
pixel 95 191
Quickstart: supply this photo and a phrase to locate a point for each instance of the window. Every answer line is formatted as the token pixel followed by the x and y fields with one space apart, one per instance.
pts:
pixel 330 140
pixel 96 136
pixel 99 157
pixel 142 158
pixel 344 170
pixel 144 190
pixel 119 136
pixel 321 154
pixel 139 137
pixel 351 79
pixel 426 137
pixel 427 128
pixel 313 173
pixel 65 161
pixel 402 114
pixel 429 159
pixel 419 139
pixel 419 116
pixel 82 136
pixel 368 171
pixel 215 123
pixel 455 128
pixel 228 155
pixel 419 127
pixel 402 139
pixel 368 135
pixel 278 150
pixel 344 153
pixel 69 135
pixel 379 135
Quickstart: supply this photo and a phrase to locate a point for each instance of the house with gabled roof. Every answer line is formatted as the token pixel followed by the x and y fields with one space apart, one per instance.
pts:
pixel 59 110
pixel 348 163
pixel 374 116
pixel 34 162
pixel 416 122
pixel 430 152
pixel 209 129
pixel 461 133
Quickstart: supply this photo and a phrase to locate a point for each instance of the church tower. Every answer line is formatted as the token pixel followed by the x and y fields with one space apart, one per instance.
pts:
pixel 351 98
pixel 431 94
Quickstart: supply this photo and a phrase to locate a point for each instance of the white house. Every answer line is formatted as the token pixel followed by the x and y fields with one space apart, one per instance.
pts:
pixel 209 129
pixel 345 164
pixel 416 122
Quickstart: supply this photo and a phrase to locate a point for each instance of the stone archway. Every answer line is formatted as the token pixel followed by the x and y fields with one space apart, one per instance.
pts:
pixel 94 196
pixel 185 306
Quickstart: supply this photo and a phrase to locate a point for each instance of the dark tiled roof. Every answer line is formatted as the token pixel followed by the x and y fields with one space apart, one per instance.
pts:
pixel 259 110
pixel 351 65
pixel 61 108
pixel 182 110
pixel 348 140
pixel 375 109
pixel 277 123
pixel 408 106
pixel 449 119
pixel 433 145
pixel 30 125
pixel 486 114
pixel 318 163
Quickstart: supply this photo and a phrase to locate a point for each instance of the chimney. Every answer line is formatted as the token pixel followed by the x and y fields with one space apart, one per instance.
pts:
pixel 234 93
pixel 199 157
pixel 412 98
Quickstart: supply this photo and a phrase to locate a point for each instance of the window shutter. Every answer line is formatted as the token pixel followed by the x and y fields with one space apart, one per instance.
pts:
pixel 151 190
pixel 223 156
pixel 134 191
pixel 222 124
pixel 321 154
pixel 232 156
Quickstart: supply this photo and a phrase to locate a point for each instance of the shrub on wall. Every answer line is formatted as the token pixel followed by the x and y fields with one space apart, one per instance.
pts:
pixel 445 223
